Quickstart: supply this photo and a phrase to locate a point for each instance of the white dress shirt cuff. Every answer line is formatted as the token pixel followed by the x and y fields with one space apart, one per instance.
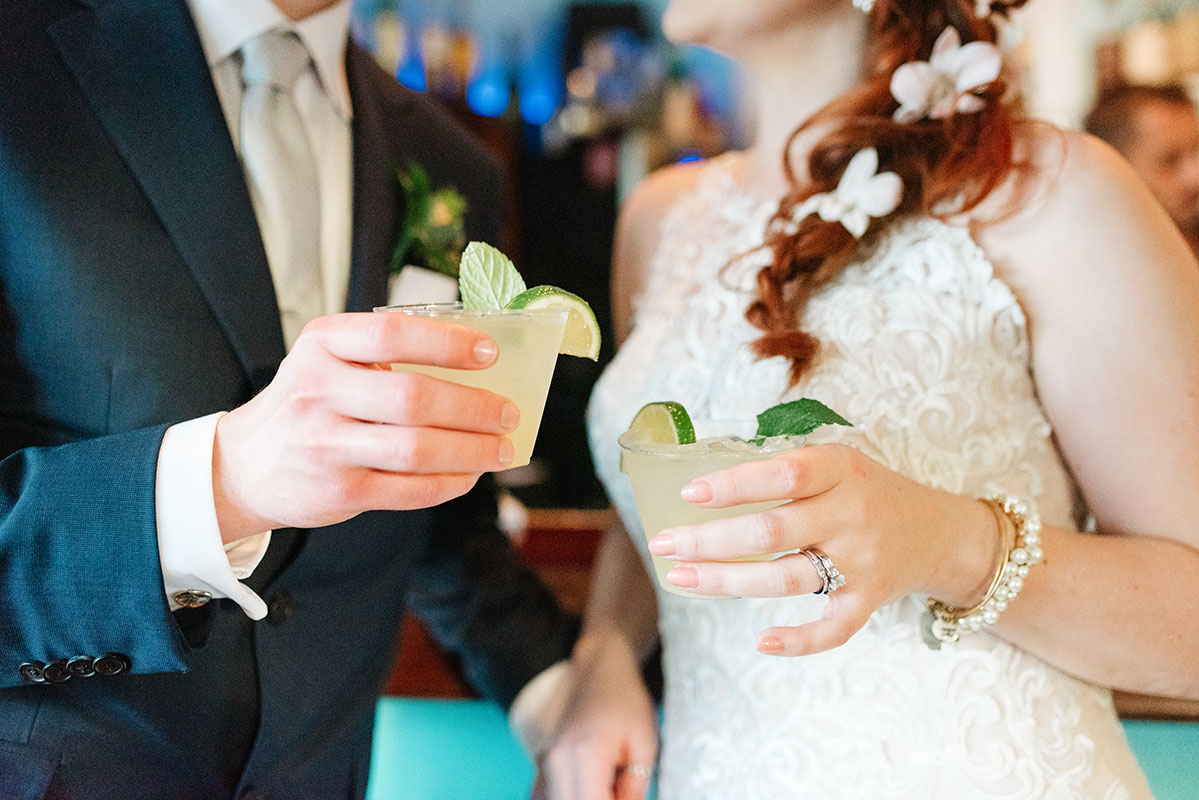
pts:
pixel 537 709
pixel 193 558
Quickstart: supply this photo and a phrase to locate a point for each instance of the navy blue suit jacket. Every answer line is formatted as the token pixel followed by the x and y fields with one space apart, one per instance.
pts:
pixel 135 293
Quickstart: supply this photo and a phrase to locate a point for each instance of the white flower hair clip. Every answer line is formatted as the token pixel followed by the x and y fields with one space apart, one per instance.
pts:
pixel 862 194
pixel 942 86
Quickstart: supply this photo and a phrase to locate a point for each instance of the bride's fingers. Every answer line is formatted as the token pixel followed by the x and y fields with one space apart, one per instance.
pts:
pixel 578 773
pixel 632 781
pixel 844 617
pixel 764 533
pixel 805 472
pixel 788 575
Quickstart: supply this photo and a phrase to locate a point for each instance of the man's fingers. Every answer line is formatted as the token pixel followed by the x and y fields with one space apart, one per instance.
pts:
pixel 395 337
pixel 422 451
pixel 412 399
pixel 797 474
pixel 389 492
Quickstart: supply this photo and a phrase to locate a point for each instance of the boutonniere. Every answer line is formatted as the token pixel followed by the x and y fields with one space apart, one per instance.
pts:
pixel 433 233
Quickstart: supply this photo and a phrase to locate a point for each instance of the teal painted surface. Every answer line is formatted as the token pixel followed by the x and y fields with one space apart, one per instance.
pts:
pixel 1169 754
pixel 445 750
pixel 461 750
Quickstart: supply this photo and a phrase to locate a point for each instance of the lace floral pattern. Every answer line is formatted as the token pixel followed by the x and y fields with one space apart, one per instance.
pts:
pixel 927 353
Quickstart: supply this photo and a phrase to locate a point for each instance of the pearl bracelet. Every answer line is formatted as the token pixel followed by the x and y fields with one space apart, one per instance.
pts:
pixel 944 624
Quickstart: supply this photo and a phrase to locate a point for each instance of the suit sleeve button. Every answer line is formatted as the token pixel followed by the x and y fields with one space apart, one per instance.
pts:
pixel 111 664
pixel 56 671
pixel 81 667
pixel 32 672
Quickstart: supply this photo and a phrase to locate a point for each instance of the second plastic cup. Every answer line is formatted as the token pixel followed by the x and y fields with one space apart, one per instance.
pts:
pixel 658 472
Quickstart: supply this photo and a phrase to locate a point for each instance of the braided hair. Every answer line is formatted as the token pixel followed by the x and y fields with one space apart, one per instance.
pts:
pixel 954 163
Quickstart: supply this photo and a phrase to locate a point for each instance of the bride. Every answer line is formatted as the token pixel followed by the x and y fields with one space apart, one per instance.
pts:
pixel 1000 308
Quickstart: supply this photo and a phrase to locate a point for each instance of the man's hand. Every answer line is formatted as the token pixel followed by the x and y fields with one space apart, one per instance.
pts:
pixel 335 435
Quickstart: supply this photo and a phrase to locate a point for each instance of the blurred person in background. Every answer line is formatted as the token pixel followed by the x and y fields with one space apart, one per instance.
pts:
pixel 1156 129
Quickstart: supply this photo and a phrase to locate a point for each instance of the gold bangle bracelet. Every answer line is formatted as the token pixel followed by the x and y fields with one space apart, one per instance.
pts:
pixel 943 623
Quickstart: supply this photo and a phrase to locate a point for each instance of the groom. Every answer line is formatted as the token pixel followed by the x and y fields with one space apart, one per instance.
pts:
pixel 191 603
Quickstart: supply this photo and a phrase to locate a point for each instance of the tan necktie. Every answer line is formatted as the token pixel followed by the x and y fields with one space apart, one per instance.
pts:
pixel 281 172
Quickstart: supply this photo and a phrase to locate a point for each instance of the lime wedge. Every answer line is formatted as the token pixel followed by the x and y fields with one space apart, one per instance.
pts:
pixel 582 335
pixel 666 422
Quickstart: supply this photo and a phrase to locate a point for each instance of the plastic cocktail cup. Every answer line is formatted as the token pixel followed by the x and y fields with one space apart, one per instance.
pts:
pixel 528 342
pixel 658 472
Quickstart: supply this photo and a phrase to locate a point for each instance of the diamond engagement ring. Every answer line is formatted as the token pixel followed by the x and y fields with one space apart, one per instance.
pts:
pixel 640 771
pixel 830 576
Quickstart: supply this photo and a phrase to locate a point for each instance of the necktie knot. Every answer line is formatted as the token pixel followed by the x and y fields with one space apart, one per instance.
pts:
pixel 275 58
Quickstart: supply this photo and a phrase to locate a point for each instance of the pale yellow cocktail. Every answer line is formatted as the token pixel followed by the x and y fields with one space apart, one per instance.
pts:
pixel 528 341
pixel 658 472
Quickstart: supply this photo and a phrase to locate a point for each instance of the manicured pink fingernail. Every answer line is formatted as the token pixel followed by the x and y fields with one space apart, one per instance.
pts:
pixel 662 545
pixel 697 492
pixel 509 416
pixel 684 577
pixel 506 453
pixel 485 351
pixel 771 645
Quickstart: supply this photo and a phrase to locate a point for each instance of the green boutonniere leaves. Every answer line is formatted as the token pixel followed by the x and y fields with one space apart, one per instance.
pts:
pixel 433 232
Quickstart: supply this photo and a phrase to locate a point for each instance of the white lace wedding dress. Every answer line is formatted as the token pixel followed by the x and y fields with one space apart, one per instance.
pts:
pixel 926 352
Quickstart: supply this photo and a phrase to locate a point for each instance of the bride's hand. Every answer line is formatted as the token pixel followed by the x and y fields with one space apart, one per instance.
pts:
pixel 886 534
pixel 606 744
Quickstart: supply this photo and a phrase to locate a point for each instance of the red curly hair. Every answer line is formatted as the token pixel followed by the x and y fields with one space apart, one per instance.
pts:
pixel 958 160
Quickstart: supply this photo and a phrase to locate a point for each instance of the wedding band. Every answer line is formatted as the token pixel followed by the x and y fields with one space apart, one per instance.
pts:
pixel 831 578
pixel 640 771
pixel 835 579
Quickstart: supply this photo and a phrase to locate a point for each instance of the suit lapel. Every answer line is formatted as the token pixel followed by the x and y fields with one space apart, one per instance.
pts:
pixel 378 205
pixel 140 65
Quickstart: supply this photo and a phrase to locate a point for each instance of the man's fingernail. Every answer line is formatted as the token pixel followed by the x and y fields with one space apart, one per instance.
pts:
pixel 485 351
pixel 509 416
pixel 697 492
pixel 771 645
pixel 662 545
pixel 507 452
pixel 684 577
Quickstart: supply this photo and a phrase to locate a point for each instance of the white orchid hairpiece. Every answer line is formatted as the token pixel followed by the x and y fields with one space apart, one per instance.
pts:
pixel 942 86
pixel 861 194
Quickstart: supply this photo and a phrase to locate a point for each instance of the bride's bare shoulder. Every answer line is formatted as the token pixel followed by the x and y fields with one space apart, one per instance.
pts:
pixel 1072 201
pixel 642 212
pixel 638 229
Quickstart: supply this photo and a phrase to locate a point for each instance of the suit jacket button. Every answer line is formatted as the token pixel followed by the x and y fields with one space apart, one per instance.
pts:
pixel 81 667
pixel 56 671
pixel 32 672
pixel 280 608
pixel 192 598
pixel 111 664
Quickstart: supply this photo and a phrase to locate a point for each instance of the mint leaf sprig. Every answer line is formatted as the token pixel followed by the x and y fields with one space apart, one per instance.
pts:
pixel 487 279
pixel 796 418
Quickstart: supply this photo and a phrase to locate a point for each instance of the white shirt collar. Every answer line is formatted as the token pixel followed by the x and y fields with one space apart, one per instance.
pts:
pixel 225 25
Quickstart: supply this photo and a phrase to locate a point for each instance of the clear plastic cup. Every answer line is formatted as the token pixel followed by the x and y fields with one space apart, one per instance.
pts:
pixel 658 473
pixel 528 342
